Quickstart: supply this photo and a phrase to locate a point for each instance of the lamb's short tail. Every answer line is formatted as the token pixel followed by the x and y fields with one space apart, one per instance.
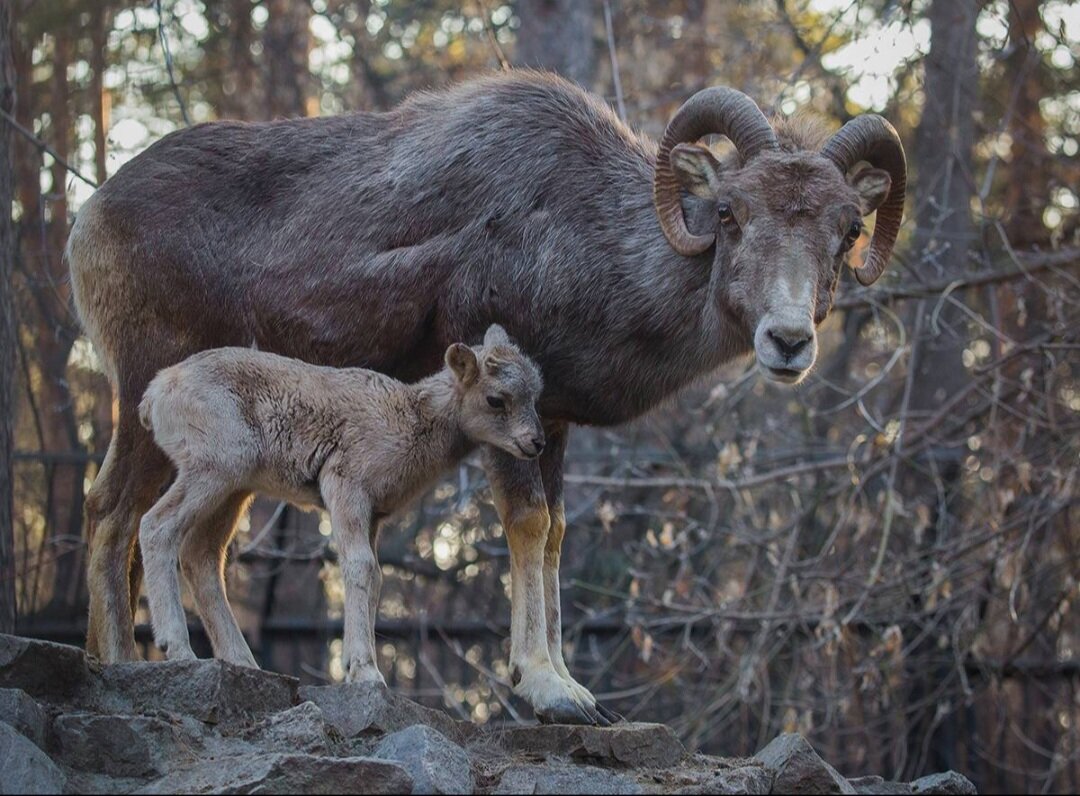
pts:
pixel 151 398
pixel 146 408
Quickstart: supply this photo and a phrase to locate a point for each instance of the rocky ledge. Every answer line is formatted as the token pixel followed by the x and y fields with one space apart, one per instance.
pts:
pixel 68 725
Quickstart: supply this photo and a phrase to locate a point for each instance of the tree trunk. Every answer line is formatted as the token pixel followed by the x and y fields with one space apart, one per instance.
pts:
pixel 53 334
pixel 286 42
pixel 944 144
pixel 558 35
pixel 8 354
pixel 99 36
pixel 228 53
pixel 1028 187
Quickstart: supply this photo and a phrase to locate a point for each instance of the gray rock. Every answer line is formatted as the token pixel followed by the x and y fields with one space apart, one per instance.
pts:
pixel 23 713
pixel 631 745
pixel 298 729
pixel 123 746
pixel 878 785
pixel 559 777
pixel 25 768
pixel 745 779
pixel 949 782
pixel 371 708
pixel 209 690
pixel 435 764
pixel 797 768
pixel 86 782
pixel 280 773
pixel 47 671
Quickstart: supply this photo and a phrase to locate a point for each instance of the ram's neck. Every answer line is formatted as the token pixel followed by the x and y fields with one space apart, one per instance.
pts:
pixel 641 322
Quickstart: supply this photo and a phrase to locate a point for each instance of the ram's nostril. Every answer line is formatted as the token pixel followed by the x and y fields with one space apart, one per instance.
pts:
pixel 538 443
pixel 790 342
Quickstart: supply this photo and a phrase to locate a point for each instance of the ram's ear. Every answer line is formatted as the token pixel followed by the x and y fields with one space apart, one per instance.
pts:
pixel 462 361
pixel 696 169
pixel 872 185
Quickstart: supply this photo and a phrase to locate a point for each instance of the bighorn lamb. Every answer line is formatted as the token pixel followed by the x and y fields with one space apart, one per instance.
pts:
pixel 234 421
pixel 625 270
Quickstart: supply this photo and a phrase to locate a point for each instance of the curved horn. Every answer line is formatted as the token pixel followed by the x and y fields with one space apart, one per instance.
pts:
pixel 873 139
pixel 713 110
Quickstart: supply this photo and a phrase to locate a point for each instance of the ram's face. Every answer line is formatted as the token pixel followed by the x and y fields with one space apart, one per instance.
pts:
pixel 780 216
pixel 783 224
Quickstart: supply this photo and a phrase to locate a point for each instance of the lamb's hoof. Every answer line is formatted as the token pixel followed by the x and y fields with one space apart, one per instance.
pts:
pixel 364 674
pixel 178 652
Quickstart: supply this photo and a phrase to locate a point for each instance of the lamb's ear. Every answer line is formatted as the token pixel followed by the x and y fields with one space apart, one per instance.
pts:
pixel 462 361
pixel 496 335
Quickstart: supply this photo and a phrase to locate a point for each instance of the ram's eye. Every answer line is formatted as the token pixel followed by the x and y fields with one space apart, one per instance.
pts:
pixel 495 402
pixel 724 211
pixel 853 233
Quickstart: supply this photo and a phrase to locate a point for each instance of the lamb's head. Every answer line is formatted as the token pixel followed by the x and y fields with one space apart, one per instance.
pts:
pixel 499 388
pixel 781 214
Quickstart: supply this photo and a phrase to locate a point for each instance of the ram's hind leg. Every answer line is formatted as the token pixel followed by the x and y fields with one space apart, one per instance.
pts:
pixel 128 483
pixel 202 559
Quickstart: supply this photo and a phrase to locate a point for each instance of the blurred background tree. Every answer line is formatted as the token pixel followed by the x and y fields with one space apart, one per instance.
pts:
pixel 883 558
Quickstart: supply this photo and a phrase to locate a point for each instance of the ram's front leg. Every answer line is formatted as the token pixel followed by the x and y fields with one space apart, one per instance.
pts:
pixel 351 518
pixel 522 506
pixel 551 470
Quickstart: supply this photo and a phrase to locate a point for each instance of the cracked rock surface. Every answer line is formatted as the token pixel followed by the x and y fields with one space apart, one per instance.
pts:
pixel 69 725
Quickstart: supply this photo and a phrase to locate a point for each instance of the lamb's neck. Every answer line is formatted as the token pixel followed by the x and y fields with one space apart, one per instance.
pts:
pixel 439 435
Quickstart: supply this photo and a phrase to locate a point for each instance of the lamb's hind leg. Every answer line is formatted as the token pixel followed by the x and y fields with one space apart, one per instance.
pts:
pixel 202 560
pixel 519 498
pixel 183 508
pixel 351 517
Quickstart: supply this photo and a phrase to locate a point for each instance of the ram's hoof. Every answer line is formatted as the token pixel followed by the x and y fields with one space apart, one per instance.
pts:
pixel 611 716
pixel 567 711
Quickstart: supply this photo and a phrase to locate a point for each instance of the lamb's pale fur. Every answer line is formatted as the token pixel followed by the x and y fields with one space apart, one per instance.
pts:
pixel 235 421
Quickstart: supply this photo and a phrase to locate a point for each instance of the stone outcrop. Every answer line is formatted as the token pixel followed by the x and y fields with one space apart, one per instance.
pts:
pixel 69 725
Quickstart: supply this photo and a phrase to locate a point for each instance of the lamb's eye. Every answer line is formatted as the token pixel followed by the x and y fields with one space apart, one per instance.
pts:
pixel 853 233
pixel 495 402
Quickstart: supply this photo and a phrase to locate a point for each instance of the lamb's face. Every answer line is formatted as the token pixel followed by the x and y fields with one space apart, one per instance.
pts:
pixel 500 388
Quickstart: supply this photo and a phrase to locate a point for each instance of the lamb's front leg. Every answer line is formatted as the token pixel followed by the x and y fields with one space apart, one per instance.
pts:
pixel 351 517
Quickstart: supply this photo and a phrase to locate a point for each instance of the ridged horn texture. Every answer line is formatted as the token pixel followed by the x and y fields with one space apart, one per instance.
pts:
pixel 873 139
pixel 722 111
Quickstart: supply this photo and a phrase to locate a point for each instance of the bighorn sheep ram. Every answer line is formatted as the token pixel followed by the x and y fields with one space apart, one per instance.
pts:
pixel 625 270
pixel 235 421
